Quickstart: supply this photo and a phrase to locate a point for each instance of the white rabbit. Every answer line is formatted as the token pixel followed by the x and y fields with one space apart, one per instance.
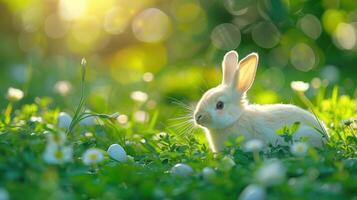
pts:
pixel 224 112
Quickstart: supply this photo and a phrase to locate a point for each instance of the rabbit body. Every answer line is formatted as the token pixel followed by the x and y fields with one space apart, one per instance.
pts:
pixel 262 122
pixel 223 112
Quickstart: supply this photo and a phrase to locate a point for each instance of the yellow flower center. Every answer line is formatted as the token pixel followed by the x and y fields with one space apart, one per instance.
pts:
pixel 59 154
pixel 93 156
pixel 56 138
pixel 300 148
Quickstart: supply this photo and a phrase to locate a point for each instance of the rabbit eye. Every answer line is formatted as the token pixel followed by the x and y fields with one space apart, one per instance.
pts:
pixel 219 105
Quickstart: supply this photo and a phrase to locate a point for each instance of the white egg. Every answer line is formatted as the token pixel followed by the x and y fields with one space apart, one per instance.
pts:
pixel 64 120
pixel 182 170
pixel 208 173
pixel 271 173
pixel 253 192
pixel 117 152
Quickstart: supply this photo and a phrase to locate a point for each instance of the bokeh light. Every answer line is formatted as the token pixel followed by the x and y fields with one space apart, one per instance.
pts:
pixel 151 25
pixel 143 44
pixel 302 57
pixel 278 57
pixel 330 73
pixel 150 61
pixel 273 79
pixel 226 36
pixel 31 18
pixel 264 8
pixel 20 73
pixel 55 27
pixel 310 25
pixel 266 97
pixel 345 36
pixel 331 19
pixel 135 60
pixel 186 10
pixel 79 40
pixel 116 20
pixel 81 28
pixel 70 10
pixel 316 82
pixel 266 35
pixel 148 77
pixel 237 7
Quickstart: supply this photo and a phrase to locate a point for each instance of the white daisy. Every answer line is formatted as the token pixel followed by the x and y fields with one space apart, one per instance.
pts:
pixel 141 116
pixel 36 119
pixel 299 149
pixel 299 86
pixel 55 154
pixel 63 87
pixel 122 119
pixel 88 134
pixel 253 145
pixel 92 156
pixel 14 94
pixel 56 138
pixel 139 96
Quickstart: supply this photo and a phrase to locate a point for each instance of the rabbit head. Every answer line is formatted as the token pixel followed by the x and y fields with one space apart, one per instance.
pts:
pixel 221 106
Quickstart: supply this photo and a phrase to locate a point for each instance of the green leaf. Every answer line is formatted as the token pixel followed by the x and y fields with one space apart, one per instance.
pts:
pixel 294 127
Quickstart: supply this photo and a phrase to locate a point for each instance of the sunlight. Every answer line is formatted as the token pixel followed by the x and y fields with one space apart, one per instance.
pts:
pixel 178 99
pixel 151 25
pixel 70 10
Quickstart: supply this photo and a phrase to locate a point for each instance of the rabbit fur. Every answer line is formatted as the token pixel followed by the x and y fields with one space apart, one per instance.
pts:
pixel 224 112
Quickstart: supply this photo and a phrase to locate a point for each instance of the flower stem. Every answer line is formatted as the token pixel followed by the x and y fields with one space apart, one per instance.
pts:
pixel 305 100
pixel 256 156
pixel 7 113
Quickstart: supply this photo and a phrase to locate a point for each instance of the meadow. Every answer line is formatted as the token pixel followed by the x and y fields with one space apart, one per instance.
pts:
pixel 97 99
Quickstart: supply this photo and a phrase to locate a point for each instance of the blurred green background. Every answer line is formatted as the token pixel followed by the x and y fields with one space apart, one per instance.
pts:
pixel 172 49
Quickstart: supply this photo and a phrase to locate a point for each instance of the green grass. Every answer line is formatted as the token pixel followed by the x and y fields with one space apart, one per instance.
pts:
pixel 330 173
pixel 311 41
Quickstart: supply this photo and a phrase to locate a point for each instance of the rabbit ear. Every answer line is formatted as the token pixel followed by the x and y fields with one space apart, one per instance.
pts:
pixel 245 72
pixel 229 64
